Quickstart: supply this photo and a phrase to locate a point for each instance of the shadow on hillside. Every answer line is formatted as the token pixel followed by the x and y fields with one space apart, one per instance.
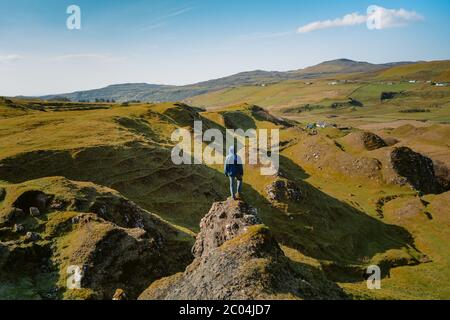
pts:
pixel 28 273
pixel 330 230
pixel 142 173
pixel 238 120
pixel 291 170
pixel 320 226
pixel 314 276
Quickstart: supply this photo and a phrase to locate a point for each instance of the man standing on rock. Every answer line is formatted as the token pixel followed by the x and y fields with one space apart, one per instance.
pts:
pixel 235 171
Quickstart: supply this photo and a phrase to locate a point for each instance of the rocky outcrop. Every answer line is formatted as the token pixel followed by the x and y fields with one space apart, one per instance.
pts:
pixel 283 190
pixel 442 173
pixel 415 169
pixel 52 225
pixel 263 115
pixel 2 193
pixel 236 257
pixel 371 141
pixel 225 221
pixel 389 95
pixel 363 141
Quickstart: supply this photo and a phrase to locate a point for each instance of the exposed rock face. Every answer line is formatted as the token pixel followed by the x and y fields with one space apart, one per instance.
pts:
pixel 241 262
pixel 34 212
pixel 116 243
pixel 283 190
pixel 389 95
pixel 32 236
pixel 18 228
pixel 33 202
pixel 2 193
pixel 224 221
pixel 442 173
pixel 261 114
pixel 372 142
pixel 364 141
pixel 12 214
pixel 417 169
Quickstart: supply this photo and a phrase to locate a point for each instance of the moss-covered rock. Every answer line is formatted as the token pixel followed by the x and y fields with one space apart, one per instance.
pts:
pixel 109 239
pixel 245 264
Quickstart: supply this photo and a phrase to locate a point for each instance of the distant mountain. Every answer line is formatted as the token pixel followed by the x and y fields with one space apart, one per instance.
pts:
pixel 340 66
pixel 160 93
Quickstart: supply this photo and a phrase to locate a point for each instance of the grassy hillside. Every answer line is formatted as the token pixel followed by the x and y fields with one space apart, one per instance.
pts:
pixel 281 95
pixel 348 99
pixel 160 93
pixel 342 66
pixel 86 225
pixel 333 222
pixel 434 71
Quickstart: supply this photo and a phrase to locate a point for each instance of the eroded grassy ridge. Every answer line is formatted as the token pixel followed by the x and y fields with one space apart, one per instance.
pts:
pixel 334 225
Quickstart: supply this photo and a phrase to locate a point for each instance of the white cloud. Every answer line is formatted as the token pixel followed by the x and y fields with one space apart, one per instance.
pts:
pixel 380 17
pixel 9 58
pixel 389 18
pixel 347 20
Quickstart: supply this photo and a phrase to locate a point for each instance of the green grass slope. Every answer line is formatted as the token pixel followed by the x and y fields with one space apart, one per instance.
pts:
pixel 332 223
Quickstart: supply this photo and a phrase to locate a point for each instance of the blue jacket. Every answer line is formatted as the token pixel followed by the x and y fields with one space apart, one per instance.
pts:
pixel 233 165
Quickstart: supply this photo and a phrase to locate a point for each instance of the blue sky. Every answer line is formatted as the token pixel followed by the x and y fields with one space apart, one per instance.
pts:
pixel 186 41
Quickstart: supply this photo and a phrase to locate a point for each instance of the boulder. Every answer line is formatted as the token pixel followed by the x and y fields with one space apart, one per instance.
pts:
pixel 32 236
pixel 18 228
pixel 34 212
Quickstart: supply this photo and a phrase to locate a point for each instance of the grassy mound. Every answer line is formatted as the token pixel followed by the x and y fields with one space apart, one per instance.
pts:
pixel 328 212
pixel 237 258
pixel 108 237
pixel 362 141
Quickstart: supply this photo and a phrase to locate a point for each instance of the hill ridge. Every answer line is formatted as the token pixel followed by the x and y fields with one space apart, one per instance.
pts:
pixel 163 93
